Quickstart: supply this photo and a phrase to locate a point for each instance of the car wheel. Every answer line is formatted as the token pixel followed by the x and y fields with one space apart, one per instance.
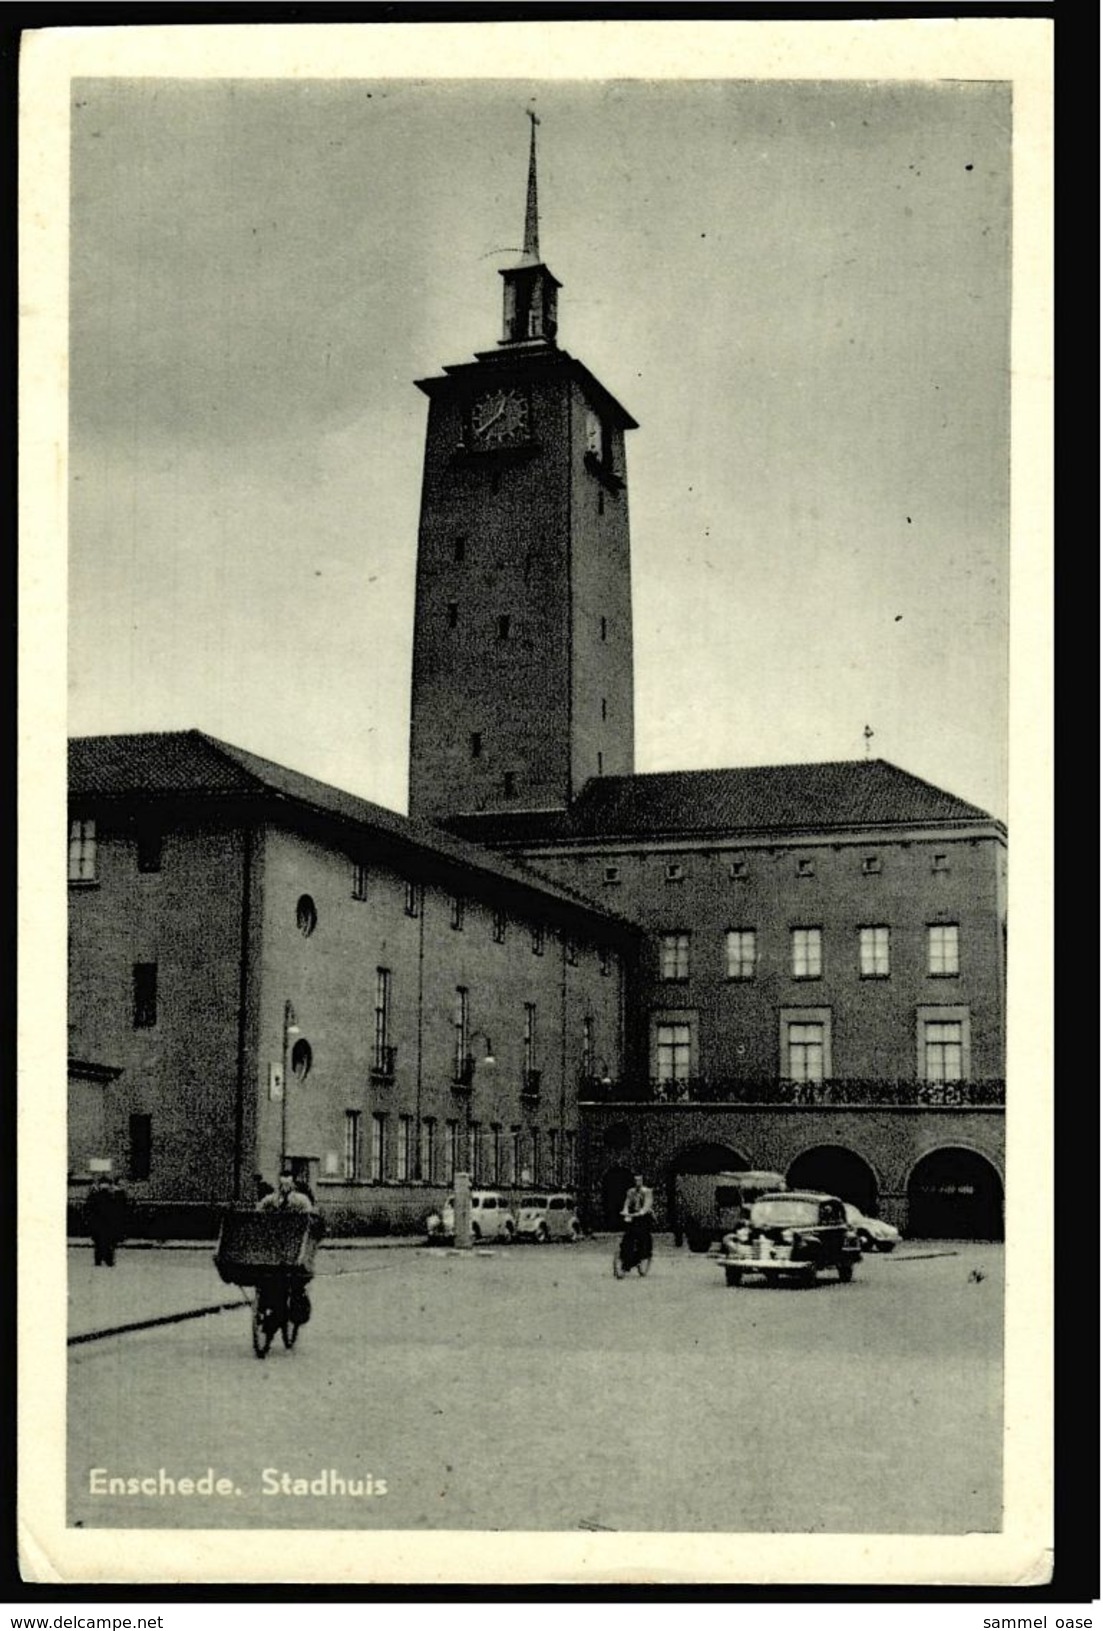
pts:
pixel 846 1271
pixel 541 1235
pixel 476 1232
pixel 734 1277
pixel 576 1233
pixel 886 1246
pixel 507 1235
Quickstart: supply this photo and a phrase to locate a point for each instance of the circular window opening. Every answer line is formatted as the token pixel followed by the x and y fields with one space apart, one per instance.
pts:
pixel 302 1057
pixel 306 915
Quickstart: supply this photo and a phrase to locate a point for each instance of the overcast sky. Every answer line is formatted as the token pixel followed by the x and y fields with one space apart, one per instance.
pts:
pixel 800 290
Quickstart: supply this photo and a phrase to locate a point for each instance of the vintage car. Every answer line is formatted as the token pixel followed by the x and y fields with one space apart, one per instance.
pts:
pixel 793 1235
pixel 874 1234
pixel 548 1217
pixel 491 1218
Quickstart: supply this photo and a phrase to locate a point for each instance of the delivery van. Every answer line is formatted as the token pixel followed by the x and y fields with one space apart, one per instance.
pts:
pixel 709 1205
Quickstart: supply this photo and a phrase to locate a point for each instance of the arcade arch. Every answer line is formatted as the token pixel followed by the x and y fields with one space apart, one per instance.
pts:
pixel 955 1194
pixel 837 1171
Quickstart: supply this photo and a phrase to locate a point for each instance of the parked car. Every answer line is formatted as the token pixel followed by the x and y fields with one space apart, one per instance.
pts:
pixel 794 1234
pixel 874 1234
pixel 492 1218
pixel 548 1217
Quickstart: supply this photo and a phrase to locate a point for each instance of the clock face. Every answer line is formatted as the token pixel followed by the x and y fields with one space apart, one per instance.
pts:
pixel 500 419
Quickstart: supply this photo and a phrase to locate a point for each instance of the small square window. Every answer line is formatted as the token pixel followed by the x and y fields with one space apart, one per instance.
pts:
pixel 604 629
pixel 359 881
pixel 940 863
pixel 871 864
pixel 499 927
pixel 459 549
pixel 538 940
pixel 413 900
pixel 806 868
pixel 675 872
pixel 503 628
pixel 453 614
pixel 457 912
pixel 737 869
pixel 476 744
pixel 612 874
pixel 509 785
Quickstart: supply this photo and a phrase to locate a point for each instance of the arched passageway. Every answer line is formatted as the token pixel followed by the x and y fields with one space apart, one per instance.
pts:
pixel 955 1194
pixel 837 1171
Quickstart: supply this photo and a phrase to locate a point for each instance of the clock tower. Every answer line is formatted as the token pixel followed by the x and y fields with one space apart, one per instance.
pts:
pixel 522 672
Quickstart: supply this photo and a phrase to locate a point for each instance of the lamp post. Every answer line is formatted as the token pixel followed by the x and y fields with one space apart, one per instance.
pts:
pixel 290 1029
pixel 462 1180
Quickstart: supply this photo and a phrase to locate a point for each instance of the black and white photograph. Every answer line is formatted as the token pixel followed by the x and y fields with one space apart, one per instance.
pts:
pixel 543 537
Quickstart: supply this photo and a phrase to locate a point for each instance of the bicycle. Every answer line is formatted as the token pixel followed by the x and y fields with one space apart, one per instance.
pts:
pixel 270 1255
pixel 633 1250
pixel 280 1303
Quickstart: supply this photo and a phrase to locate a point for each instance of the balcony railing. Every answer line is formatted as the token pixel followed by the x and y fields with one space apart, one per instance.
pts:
pixel 864 1091
pixel 384 1062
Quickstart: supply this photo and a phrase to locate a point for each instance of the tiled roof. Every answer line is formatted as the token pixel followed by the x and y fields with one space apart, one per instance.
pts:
pixel 768 798
pixel 163 764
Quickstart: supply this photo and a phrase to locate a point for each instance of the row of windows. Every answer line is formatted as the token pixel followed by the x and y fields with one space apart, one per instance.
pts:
pixel 82 865
pixel 504 629
pixel 399 1150
pixel 805 1050
pixel 806 952
pixel 384 1055
pixel 150 841
pixel 739 870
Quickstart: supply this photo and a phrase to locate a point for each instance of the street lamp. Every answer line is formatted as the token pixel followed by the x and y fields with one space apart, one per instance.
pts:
pixel 462 1180
pixel 290 1029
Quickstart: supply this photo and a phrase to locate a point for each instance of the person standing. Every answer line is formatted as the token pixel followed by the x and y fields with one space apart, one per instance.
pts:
pixel 106 1215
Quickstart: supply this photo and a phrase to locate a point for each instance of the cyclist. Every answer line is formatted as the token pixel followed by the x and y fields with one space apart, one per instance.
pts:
pixel 638 1213
pixel 282 1294
pixel 286 1197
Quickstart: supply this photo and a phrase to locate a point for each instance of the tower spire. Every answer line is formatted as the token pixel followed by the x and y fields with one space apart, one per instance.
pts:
pixel 529 289
pixel 531 249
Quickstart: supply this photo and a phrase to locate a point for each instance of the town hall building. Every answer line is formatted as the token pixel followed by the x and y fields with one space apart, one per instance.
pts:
pixel 799 967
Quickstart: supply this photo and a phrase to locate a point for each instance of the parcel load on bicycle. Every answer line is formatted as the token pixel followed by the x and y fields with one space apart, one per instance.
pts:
pixel 252 1246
